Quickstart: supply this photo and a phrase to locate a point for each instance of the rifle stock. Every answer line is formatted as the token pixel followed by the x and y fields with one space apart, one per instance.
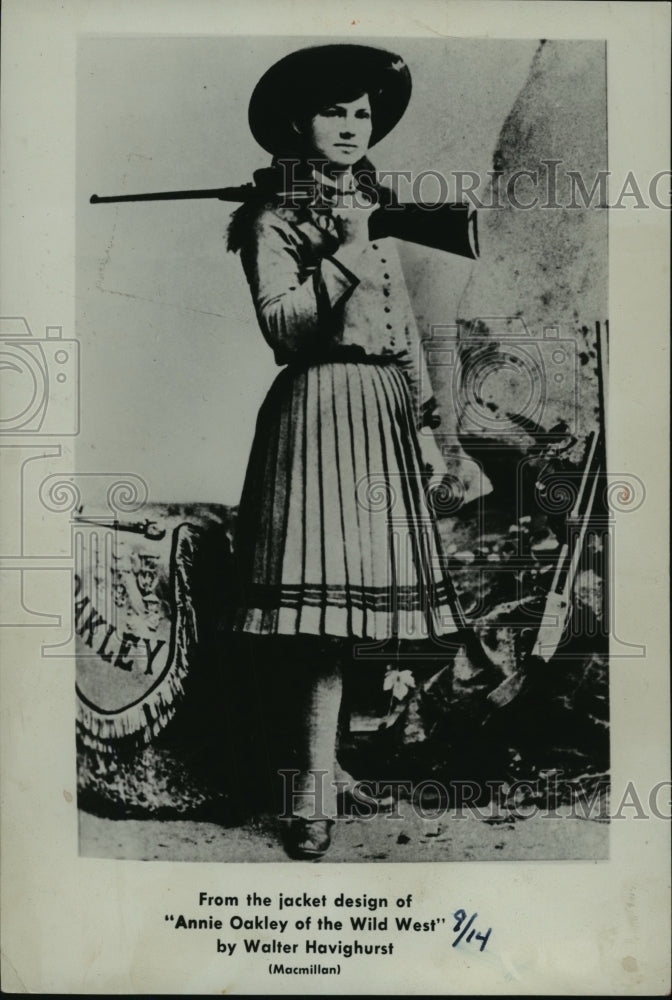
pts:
pixel 439 227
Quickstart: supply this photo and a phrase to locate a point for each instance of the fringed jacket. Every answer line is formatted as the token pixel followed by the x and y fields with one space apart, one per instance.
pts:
pixel 312 307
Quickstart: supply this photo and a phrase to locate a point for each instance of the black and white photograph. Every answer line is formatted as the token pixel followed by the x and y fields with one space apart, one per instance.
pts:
pixel 334 512
pixel 361 292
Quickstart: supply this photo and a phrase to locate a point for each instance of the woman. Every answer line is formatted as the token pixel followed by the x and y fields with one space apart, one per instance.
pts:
pixel 336 542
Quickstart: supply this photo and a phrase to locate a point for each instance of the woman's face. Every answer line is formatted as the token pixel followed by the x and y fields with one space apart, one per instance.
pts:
pixel 340 132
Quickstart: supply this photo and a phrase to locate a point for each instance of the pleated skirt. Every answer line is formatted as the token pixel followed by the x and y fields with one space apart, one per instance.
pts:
pixel 334 534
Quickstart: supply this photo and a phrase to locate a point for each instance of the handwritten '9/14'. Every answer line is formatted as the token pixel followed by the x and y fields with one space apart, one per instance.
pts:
pixel 471 933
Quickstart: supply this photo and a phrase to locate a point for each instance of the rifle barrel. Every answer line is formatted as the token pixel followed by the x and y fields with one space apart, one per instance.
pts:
pixel 223 194
pixel 241 193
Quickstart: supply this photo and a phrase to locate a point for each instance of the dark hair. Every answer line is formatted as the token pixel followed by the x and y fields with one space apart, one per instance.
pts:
pixel 326 92
pixel 337 92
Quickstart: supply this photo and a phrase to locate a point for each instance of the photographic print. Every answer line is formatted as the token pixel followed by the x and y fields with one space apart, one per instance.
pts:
pixel 371 607
pixel 334 628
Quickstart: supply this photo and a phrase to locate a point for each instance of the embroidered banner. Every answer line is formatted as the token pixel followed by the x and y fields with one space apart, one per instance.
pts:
pixel 137 614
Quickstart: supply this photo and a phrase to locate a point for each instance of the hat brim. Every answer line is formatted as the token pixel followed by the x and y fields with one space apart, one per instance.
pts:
pixel 297 81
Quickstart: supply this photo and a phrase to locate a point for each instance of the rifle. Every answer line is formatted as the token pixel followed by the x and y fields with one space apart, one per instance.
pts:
pixel 556 607
pixel 557 604
pixel 437 225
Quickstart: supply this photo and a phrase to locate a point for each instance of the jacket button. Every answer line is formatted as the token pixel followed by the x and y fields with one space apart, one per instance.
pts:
pixel 386 275
pixel 375 246
pixel 388 309
pixel 383 261
pixel 386 292
pixel 388 326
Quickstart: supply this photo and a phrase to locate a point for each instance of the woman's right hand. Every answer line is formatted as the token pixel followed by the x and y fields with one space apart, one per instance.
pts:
pixel 351 215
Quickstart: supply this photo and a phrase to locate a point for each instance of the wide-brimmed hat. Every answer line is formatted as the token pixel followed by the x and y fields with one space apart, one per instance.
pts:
pixel 310 77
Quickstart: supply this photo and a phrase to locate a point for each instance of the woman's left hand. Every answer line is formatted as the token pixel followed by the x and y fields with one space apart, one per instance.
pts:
pixel 432 457
pixel 443 490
